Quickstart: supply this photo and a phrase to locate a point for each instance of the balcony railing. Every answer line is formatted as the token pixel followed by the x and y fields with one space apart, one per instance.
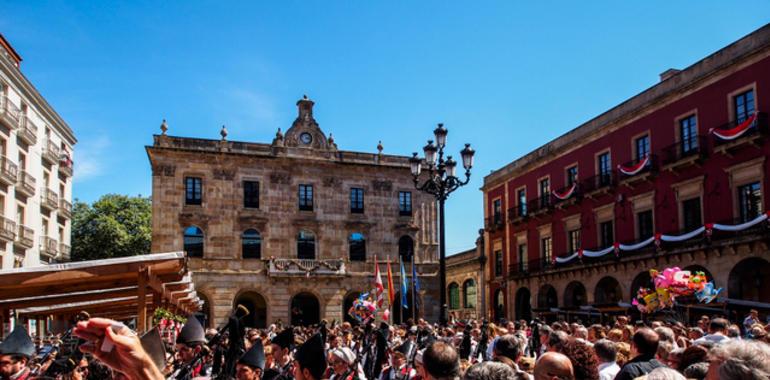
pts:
pixel 540 204
pixel 692 149
pixel 493 223
pixel 306 267
pixel 27 131
pixel 25 236
pixel 518 213
pixel 760 128
pixel 49 199
pixel 651 167
pixel 598 182
pixel 50 152
pixel 563 190
pixel 65 250
pixel 9 172
pixel 49 247
pixel 7 229
pixel 9 113
pixel 65 208
pixel 25 184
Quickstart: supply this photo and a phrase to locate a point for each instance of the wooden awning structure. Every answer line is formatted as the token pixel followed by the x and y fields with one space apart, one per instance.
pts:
pixel 120 288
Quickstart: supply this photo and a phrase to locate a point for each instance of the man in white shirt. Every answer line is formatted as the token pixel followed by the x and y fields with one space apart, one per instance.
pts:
pixel 717 332
pixel 607 351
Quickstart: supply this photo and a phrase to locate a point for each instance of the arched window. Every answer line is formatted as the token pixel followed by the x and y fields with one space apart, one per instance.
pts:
pixel 406 248
pixel 193 241
pixel 251 244
pixel 357 246
pixel 469 294
pixel 306 245
pixel 454 296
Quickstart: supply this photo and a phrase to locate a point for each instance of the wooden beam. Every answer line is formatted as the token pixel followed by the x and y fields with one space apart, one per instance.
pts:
pixel 141 311
pixel 21 303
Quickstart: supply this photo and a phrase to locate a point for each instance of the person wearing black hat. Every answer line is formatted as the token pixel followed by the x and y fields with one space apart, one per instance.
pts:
pixel 281 346
pixel 15 352
pixel 189 344
pixel 252 363
pixel 310 359
pixel 398 368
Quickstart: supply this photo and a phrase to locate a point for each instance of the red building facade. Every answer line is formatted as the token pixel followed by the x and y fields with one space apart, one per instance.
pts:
pixel 574 226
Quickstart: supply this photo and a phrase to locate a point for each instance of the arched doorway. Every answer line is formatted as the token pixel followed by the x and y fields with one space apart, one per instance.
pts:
pixel 257 307
pixel 305 310
pixel 575 295
pixel 499 311
pixel 407 312
pixel 547 298
pixel 205 310
pixel 750 280
pixel 347 304
pixel 523 304
pixel 608 291
pixel 642 280
pixel 406 248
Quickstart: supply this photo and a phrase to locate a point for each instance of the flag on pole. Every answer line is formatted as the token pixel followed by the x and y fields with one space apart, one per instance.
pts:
pixel 378 288
pixel 416 285
pixel 404 287
pixel 390 285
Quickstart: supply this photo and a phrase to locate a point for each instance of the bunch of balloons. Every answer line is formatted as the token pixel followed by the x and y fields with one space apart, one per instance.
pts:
pixel 363 309
pixel 670 284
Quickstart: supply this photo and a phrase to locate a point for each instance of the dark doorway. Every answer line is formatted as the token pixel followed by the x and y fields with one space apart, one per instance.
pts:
pixel 750 280
pixel 642 280
pixel 575 295
pixel 257 306
pixel 305 310
pixel 547 298
pixel 205 310
pixel 523 304
pixel 499 310
pixel 347 304
pixel 407 312
pixel 608 291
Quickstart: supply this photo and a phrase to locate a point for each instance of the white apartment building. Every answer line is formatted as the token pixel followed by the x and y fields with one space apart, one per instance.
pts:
pixel 36 148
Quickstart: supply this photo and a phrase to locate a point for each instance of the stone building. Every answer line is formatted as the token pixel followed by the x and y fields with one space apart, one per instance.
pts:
pixel 36 147
pixel 674 176
pixel 290 228
pixel 464 271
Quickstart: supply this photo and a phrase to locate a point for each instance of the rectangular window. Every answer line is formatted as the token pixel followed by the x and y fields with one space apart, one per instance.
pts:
pixel 642 147
pixel 497 211
pixel 546 249
pixel 545 192
pixel 498 263
pixel 573 240
pixel 521 196
pixel 572 175
pixel 688 134
pixel 743 104
pixel 749 201
pixel 356 200
pixel 691 214
pixel 192 190
pixel 605 169
pixel 606 234
pixel 306 197
pixel 644 224
pixel 250 194
pixel 405 203
pixel 522 257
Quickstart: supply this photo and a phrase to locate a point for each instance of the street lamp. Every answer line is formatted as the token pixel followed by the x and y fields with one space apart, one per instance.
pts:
pixel 440 182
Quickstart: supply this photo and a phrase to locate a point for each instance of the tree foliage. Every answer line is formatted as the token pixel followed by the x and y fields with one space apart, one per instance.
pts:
pixel 114 226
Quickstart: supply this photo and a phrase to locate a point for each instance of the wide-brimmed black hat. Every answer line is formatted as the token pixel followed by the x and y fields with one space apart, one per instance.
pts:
pixel 284 339
pixel 311 355
pixel 18 342
pixel 255 356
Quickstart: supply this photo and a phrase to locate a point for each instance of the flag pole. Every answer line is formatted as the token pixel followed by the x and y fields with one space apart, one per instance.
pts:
pixel 403 296
pixel 414 292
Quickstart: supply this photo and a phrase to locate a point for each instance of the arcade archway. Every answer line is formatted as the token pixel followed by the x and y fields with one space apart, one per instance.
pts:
pixel 575 295
pixel 547 298
pixel 305 310
pixel 257 307
pixel 750 280
pixel 396 312
pixel 499 308
pixel 347 304
pixel 608 291
pixel 523 304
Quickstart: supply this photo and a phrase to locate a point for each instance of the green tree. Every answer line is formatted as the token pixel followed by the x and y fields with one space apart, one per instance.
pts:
pixel 114 226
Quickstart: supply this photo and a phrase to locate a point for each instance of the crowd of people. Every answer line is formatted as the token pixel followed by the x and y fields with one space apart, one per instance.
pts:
pixel 474 350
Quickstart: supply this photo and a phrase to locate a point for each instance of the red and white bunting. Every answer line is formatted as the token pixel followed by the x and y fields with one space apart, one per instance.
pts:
pixel 566 194
pixel 738 131
pixel 634 169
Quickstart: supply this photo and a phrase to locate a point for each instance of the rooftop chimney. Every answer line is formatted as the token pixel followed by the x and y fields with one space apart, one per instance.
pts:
pixel 668 74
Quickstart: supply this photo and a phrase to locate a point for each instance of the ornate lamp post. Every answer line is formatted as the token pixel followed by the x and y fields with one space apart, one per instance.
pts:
pixel 440 182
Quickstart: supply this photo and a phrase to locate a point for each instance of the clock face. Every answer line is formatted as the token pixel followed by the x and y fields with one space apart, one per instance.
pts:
pixel 305 138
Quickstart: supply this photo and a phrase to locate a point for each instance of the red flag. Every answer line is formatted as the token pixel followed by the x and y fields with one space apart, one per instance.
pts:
pixel 390 285
pixel 378 288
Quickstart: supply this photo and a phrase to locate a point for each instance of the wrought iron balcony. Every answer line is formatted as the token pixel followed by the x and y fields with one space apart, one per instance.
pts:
pixel 598 183
pixel 27 131
pixel 49 199
pixel 7 229
pixel 540 204
pixel 25 236
pixel 651 168
pixel 518 214
pixel 9 112
pixel 9 172
pixel 64 250
pixel 25 184
pixel 761 128
pixel 49 247
pixel 65 164
pixel 65 208
pixel 686 152
pixel 577 193
pixel 520 269
pixel 306 268
pixel 494 223
pixel 50 152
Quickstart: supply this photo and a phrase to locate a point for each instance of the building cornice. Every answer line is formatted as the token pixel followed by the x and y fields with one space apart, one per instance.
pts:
pixel 30 94
pixel 748 49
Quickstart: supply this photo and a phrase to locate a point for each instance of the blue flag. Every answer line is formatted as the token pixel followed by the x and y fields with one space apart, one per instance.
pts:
pixel 416 283
pixel 404 287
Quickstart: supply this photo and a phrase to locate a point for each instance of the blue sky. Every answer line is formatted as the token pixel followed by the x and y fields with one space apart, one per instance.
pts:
pixel 506 76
